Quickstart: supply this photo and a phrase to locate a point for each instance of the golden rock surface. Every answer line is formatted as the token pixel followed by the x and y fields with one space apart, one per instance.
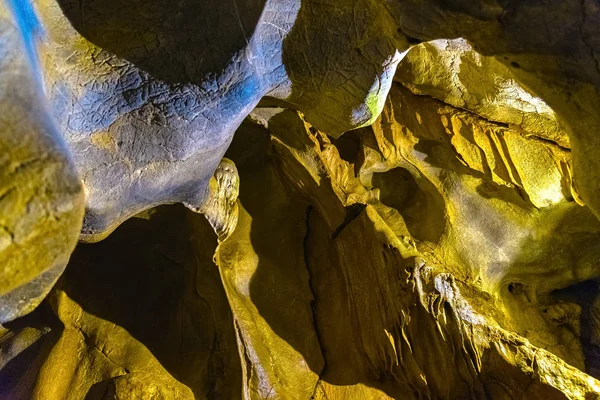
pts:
pixel 405 260
pixel 443 252
pixel 41 197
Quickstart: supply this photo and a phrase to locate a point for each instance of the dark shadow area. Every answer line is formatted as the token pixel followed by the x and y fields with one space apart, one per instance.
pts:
pixel 101 390
pixel 423 211
pixel 279 288
pixel 174 41
pixel 587 295
pixel 348 145
pixel 154 277
pixel 33 337
pixel 134 278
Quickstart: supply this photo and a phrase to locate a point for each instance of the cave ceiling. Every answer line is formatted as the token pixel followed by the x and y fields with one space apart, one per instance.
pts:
pixel 299 199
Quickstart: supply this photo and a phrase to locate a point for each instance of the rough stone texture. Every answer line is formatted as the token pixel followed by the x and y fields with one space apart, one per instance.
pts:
pixel 221 208
pixel 148 95
pixel 552 49
pixel 481 84
pixel 41 199
pixel 375 296
pixel 503 204
pixel 329 287
pixel 94 337
pixel 448 251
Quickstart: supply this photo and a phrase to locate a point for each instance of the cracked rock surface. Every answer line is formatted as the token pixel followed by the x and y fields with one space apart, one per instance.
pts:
pixel 299 199
pixel 41 199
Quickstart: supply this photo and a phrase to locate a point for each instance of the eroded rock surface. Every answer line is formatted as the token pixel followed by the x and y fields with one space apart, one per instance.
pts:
pixel 41 199
pixel 93 337
pixel 148 95
pixel 366 331
pixel 429 232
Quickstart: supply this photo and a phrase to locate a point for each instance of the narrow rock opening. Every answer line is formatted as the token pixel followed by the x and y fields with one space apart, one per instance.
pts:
pixel 587 295
pixel 423 211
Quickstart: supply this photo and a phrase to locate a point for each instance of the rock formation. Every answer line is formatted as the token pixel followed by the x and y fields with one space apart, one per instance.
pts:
pixel 378 199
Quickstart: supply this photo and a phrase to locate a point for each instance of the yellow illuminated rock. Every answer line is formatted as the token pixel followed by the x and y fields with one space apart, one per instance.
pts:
pixel 408 209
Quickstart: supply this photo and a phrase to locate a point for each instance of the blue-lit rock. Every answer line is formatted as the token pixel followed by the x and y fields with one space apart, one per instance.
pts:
pixel 41 198
pixel 148 97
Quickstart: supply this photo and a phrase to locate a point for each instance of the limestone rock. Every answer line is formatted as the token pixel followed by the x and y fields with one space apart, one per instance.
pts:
pixel 148 95
pixel 560 66
pixel 322 290
pixel 41 199
pixel 453 72
pixel 345 272
pixel 93 337
pixel 376 301
pixel 221 209
pixel 446 246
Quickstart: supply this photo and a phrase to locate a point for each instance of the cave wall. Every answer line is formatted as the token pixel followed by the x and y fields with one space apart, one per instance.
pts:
pixel 377 200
